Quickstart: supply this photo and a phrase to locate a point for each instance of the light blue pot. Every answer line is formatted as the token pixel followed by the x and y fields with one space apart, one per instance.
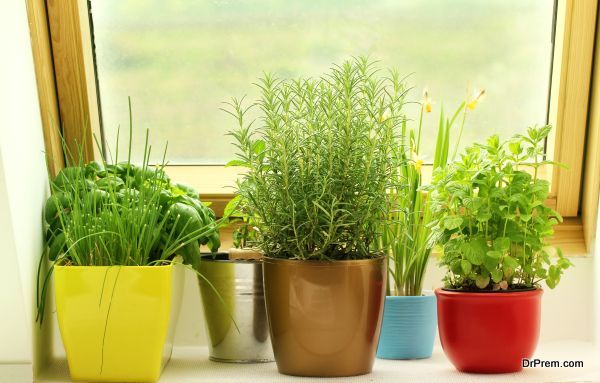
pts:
pixel 408 329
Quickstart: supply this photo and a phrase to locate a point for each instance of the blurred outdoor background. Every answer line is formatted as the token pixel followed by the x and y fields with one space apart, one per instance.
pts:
pixel 180 60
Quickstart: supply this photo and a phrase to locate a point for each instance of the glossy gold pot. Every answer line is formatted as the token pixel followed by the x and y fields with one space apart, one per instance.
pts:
pixel 324 317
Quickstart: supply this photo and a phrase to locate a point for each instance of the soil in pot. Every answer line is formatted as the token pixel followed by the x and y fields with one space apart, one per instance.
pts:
pixel 244 253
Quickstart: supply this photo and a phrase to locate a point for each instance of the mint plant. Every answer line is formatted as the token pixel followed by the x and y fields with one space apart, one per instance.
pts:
pixel 491 217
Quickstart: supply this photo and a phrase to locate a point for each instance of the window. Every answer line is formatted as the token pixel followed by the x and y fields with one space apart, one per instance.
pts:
pixel 180 60
pixel 449 46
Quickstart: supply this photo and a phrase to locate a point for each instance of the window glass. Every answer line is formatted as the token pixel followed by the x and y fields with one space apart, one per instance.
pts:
pixel 180 60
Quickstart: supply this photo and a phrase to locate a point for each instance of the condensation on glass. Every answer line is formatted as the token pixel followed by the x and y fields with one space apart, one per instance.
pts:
pixel 181 60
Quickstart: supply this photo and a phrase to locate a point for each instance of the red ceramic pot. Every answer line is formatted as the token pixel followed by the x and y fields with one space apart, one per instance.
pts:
pixel 489 332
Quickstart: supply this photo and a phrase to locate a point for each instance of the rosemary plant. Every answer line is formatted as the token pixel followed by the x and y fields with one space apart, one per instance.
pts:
pixel 320 161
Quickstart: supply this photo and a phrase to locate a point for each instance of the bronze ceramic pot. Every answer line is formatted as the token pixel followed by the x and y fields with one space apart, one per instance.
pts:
pixel 324 317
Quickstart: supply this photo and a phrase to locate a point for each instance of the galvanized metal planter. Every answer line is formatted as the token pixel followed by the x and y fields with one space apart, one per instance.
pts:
pixel 240 286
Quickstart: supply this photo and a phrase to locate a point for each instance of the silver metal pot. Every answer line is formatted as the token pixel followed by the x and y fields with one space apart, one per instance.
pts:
pixel 240 302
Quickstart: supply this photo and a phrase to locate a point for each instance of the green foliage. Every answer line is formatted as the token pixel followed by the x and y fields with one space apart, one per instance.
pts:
pixel 491 217
pixel 246 234
pixel 407 236
pixel 320 160
pixel 122 214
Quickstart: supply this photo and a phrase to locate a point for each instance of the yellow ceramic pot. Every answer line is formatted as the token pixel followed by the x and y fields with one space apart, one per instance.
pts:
pixel 117 322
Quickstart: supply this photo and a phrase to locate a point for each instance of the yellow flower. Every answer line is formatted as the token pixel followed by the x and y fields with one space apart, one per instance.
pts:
pixel 417 160
pixel 426 101
pixel 419 165
pixel 477 97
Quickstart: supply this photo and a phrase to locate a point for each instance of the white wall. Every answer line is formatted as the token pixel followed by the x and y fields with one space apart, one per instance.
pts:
pixel 568 311
pixel 23 184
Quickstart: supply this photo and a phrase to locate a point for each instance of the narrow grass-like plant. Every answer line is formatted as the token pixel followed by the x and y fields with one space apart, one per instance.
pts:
pixel 121 214
pixel 320 161
pixel 407 237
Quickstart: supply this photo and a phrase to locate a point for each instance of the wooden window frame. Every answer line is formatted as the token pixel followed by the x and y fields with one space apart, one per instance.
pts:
pixel 65 70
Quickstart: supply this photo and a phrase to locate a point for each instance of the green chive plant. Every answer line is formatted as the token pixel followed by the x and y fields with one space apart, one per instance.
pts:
pixel 122 214
pixel 320 160
pixel 491 216
pixel 407 237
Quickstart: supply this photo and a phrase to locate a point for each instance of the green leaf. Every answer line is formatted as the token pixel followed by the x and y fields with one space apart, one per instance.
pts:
pixel 237 163
pixel 494 254
pixel 186 189
pixel 56 203
pixel 553 276
pixel 258 146
pixel 491 260
pixel 186 219
pixel 541 273
pixel 465 266
pixel 502 244
pixel 564 263
pixel 231 206
pixel 110 183
pixel 497 275
pixel 545 257
pixel 493 141
pixel 441 147
pixel 69 175
pixel 525 217
pixel 452 222
pixel 482 281
pixel 57 246
pixel 214 242
pixel 191 254
pixel 515 147
pixel 455 266
pixel 475 250
pixel 483 215
pixel 510 262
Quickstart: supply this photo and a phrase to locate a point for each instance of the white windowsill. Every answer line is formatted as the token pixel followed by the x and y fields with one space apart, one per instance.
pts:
pixel 191 364
pixel 16 372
